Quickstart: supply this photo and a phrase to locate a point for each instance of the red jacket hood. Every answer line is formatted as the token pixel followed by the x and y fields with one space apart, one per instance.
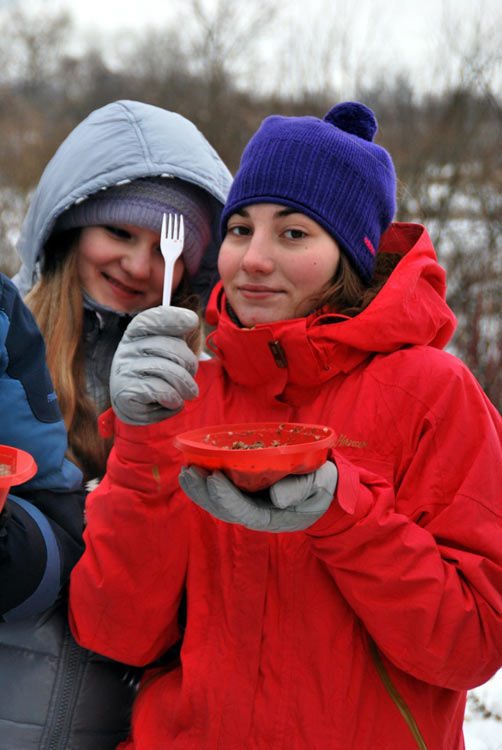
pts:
pixel 409 310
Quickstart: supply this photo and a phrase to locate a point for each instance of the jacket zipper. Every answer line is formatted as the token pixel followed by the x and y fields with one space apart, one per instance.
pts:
pixel 64 697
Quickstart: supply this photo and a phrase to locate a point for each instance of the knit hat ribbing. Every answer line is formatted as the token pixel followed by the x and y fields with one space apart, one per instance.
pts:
pixel 328 169
pixel 142 203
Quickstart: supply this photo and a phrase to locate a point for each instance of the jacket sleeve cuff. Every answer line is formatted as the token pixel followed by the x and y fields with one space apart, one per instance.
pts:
pixel 155 435
pixel 142 457
pixel 352 501
pixel 42 538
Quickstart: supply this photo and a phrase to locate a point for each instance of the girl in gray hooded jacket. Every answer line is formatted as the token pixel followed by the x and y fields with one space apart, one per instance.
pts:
pixel 91 261
pixel 90 247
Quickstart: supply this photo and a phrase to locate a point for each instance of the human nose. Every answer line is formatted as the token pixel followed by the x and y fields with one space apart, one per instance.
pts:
pixel 258 255
pixel 137 262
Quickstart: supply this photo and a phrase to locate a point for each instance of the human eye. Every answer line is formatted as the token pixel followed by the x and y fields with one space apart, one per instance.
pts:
pixel 118 232
pixel 240 230
pixel 295 234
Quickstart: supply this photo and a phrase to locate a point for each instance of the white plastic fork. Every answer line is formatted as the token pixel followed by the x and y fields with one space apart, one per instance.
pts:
pixel 172 237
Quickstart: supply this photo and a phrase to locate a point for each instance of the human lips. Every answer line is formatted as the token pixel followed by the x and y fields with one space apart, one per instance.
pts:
pixel 121 288
pixel 254 291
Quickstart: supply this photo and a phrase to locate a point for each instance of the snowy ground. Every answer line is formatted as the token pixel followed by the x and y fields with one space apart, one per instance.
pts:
pixel 483 717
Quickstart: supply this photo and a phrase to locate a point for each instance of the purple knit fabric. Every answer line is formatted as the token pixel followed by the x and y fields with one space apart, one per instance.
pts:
pixel 328 169
pixel 142 203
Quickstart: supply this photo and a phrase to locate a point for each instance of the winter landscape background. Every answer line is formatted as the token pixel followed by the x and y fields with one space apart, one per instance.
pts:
pixel 432 71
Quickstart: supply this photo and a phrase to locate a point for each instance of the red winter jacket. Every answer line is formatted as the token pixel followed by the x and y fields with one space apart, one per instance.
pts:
pixel 276 651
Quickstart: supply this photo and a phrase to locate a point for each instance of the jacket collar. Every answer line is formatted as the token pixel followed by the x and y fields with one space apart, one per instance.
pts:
pixel 292 356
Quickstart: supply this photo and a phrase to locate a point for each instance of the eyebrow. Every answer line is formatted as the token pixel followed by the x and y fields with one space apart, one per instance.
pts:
pixel 286 211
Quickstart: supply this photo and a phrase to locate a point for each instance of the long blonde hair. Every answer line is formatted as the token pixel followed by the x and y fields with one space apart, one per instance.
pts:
pixel 57 304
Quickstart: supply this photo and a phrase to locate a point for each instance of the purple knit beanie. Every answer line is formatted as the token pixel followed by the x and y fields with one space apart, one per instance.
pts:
pixel 142 203
pixel 328 169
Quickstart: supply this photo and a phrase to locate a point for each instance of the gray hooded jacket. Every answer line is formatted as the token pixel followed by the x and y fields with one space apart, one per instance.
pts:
pixel 66 697
pixel 115 144
pixel 118 143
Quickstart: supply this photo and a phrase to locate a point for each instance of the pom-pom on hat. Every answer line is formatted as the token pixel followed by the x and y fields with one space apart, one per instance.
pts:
pixel 328 169
pixel 142 203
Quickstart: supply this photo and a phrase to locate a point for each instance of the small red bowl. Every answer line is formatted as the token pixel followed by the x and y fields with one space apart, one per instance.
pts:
pixel 255 455
pixel 16 467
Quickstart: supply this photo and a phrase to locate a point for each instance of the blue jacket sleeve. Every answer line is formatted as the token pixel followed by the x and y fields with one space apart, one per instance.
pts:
pixel 42 521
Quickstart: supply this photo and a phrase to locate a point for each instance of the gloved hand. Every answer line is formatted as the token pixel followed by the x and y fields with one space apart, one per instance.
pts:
pixel 296 501
pixel 152 370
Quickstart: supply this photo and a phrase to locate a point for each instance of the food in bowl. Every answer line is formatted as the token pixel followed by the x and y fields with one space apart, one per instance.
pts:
pixel 254 455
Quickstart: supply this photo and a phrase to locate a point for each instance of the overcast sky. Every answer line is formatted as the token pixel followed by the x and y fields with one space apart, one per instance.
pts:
pixel 410 22
pixel 407 14
pixel 405 34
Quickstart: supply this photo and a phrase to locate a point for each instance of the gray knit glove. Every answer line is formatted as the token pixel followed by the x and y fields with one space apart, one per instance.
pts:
pixel 153 368
pixel 295 502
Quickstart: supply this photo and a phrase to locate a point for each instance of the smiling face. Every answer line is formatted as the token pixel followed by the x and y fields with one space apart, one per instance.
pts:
pixel 122 267
pixel 274 262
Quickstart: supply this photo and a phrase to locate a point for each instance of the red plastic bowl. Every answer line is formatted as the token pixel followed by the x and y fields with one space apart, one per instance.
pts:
pixel 269 450
pixel 16 467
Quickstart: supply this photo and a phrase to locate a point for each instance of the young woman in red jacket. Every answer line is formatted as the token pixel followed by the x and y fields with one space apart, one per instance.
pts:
pixel 355 607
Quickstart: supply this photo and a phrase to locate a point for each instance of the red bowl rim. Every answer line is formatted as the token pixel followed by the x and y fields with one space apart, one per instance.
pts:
pixel 25 466
pixel 192 439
